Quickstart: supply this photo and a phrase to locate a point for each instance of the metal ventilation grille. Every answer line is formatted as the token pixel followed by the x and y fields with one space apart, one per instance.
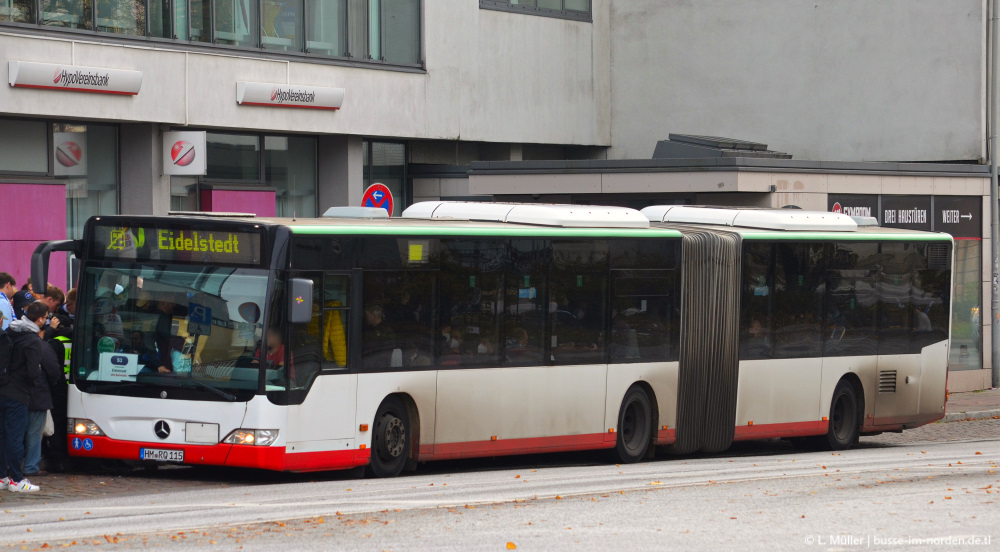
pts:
pixel 887 381
pixel 937 257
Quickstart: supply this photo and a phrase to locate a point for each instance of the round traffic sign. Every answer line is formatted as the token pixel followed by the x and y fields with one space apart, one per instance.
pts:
pixel 378 195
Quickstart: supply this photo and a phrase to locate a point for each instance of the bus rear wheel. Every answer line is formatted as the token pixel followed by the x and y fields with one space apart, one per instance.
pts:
pixel 844 418
pixel 635 426
pixel 390 440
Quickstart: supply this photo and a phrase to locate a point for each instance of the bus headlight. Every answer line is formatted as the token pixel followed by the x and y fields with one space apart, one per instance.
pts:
pixel 82 426
pixel 260 437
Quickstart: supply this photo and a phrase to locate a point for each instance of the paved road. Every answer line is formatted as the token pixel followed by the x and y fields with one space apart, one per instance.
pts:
pixel 938 482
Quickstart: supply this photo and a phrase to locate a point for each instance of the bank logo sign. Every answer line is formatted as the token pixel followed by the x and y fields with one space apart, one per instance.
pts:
pixel 184 153
pixel 74 78
pixel 70 153
pixel 285 95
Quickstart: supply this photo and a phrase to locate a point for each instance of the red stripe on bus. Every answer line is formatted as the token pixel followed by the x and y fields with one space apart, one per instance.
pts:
pixel 269 458
pixel 666 436
pixel 507 447
pixel 770 431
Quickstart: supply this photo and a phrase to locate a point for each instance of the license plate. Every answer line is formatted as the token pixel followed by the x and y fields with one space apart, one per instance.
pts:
pixel 161 455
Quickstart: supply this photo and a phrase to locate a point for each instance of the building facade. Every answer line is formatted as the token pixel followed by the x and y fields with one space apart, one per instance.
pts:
pixel 450 98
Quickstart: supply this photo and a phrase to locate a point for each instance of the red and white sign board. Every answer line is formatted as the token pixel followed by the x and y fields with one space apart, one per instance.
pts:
pixel 184 153
pixel 74 78
pixel 70 153
pixel 378 195
pixel 288 95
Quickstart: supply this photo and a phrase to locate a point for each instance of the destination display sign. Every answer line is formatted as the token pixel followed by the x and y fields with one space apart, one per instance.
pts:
pixel 189 245
pixel 960 216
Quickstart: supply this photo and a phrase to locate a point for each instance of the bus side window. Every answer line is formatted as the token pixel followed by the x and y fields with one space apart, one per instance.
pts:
pixel 335 307
pixel 578 301
pixel 756 335
pixel 397 329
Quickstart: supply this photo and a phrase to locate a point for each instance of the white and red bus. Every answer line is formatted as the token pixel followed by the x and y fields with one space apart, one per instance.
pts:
pixel 469 329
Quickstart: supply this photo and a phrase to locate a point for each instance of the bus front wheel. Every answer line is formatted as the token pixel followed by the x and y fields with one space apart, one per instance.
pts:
pixel 390 440
pixel 635 425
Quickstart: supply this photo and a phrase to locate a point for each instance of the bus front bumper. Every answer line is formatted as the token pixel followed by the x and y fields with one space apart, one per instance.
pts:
pixel 222 454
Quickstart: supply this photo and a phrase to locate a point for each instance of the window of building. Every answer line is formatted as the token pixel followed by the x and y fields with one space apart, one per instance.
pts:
pixel 578 10
pixel 966 324
pixel 18 11
pixel 23 147
pixel 290 168
pixel 385 163
pixel 284 164
pixel 384 31
pixel 82 157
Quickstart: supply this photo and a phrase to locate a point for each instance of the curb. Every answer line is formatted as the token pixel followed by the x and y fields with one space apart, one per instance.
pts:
pixel 977 415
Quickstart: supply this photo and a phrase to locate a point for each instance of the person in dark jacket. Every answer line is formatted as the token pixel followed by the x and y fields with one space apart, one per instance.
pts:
pixel 14 397
pixel 41 402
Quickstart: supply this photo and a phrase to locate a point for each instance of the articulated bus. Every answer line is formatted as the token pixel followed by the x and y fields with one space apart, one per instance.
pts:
pixel 473 329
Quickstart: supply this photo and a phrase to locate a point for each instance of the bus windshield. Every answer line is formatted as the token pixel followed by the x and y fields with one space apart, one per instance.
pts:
pixel 154 326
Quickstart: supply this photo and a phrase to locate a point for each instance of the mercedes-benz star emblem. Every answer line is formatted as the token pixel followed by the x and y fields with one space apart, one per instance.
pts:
pixel 162 429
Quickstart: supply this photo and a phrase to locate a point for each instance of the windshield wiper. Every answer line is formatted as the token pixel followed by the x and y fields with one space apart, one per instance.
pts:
pixel 216 390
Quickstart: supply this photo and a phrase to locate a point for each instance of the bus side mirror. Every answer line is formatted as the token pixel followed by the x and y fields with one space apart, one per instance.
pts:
pixel 300 300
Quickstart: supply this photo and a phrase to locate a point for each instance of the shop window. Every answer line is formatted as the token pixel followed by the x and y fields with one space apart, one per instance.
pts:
pixel 284 164
pixel 290 168
pixel 233 156
pixel 23 147
pixel 92 179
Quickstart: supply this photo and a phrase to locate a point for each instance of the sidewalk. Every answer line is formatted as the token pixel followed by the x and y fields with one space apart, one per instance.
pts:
pixel 973 405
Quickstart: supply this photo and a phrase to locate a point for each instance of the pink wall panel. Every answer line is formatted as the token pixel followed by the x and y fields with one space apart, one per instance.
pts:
pixel 46 221
pixel 260 203
pixel 22 228
pixel 15 259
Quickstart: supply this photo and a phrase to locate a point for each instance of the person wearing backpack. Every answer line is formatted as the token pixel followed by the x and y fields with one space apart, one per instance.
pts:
pixel 24 365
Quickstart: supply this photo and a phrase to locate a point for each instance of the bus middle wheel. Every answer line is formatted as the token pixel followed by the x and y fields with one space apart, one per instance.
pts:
pixel 635 426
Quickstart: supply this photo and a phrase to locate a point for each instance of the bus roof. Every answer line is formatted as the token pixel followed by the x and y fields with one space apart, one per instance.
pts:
pixel 443 218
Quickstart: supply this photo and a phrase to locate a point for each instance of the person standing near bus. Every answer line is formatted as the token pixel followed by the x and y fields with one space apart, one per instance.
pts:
pixel 7 288
pixel 14 397
pixel 41 402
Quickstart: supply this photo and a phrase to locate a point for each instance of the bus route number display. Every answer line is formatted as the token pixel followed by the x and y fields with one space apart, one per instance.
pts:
pixel 170 244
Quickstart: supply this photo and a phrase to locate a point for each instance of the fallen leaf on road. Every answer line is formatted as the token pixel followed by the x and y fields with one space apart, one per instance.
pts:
pixel 511 546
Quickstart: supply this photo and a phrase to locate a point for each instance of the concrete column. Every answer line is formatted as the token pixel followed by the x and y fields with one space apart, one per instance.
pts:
pixel 341 171
pixel 144 188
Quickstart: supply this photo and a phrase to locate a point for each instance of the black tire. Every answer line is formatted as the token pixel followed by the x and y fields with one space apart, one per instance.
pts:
pixel 845 421
pixel 390 440
pixel 635 426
